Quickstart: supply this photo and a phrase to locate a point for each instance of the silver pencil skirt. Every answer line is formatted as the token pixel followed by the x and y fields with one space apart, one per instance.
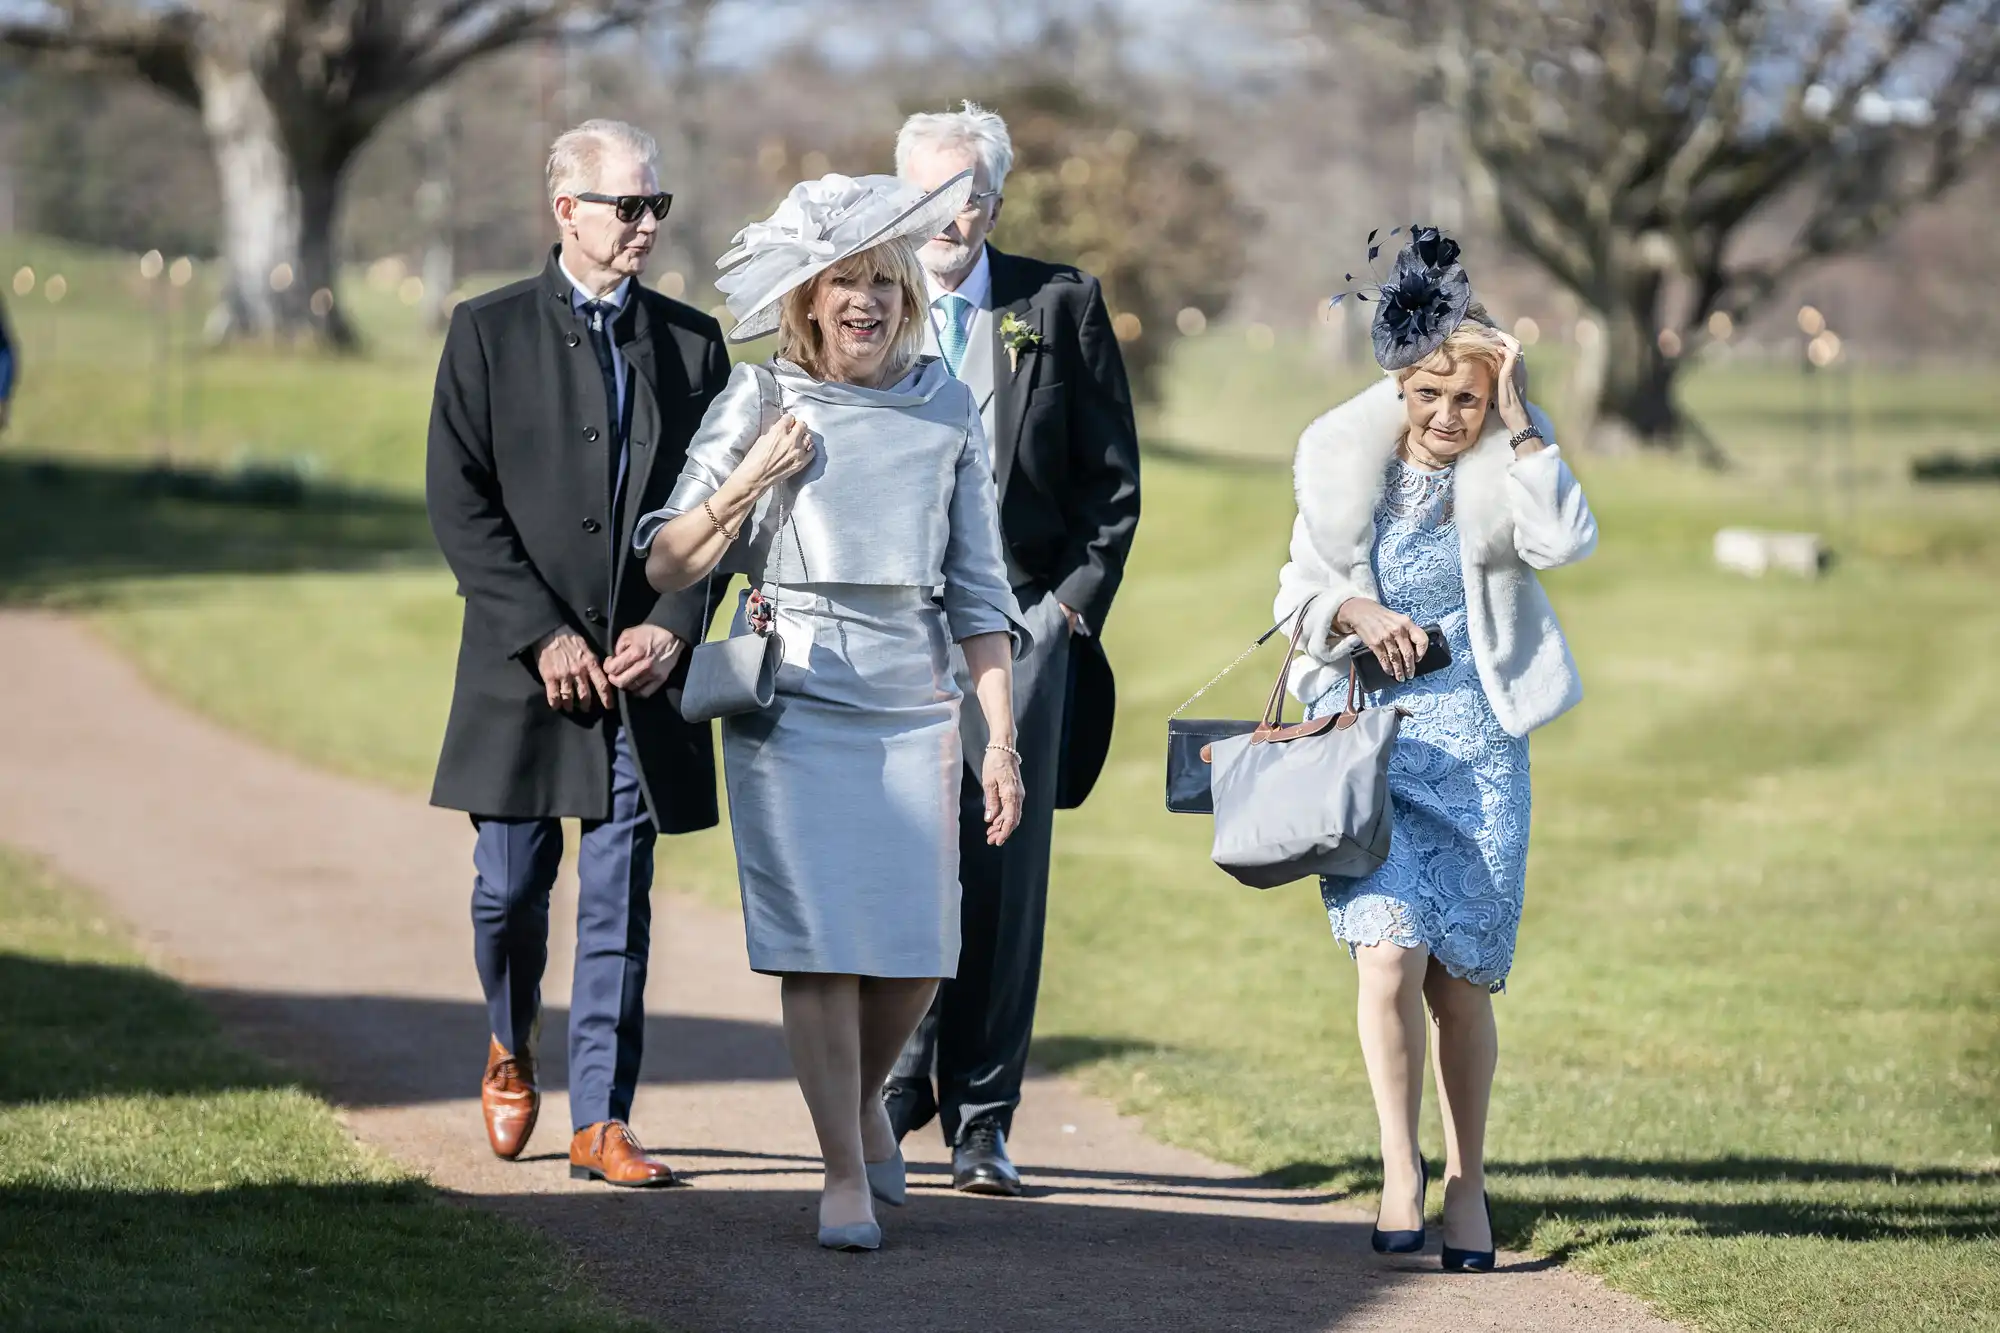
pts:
pixel 843 795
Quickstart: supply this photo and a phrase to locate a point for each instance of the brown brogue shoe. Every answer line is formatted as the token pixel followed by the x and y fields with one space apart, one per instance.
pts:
pixel 610 1152
pixel 509 1098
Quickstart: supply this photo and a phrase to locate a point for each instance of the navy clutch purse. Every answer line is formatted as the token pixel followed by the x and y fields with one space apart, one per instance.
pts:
pixel 1187 770
pixel 1187 767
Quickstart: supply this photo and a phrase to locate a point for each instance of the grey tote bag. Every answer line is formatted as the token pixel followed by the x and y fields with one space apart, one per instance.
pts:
pixel 1311 798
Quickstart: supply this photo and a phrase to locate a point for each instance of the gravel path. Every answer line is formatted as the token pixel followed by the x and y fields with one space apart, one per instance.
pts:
pixel 327 921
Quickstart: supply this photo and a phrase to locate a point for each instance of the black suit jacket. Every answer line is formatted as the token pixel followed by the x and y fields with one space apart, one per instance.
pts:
pixel 518 482
pixel 1066 460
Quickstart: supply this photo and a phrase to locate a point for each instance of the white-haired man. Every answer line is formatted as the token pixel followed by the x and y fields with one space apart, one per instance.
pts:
pixel 1034 342
pixel 563 410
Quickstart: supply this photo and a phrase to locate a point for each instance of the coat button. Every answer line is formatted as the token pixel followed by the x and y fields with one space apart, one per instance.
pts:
pixel 593 615
pixel 591 525
pixel 571 339
pixel 590 433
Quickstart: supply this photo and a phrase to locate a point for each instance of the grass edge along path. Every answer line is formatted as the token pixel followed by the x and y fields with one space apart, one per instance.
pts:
pixel 152 1176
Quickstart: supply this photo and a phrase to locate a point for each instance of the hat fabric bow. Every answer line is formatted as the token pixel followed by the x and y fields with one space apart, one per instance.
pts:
pixel 818 224
pixel 1423 301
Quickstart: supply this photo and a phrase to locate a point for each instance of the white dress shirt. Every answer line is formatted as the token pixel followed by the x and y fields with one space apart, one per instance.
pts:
pixel 979 368
pixel 977 289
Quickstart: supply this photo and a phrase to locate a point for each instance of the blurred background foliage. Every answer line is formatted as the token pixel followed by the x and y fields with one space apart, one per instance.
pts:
pixel 1145 210
pixel 1213 163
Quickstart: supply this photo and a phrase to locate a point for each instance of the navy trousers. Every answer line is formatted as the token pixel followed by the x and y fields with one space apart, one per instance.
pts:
pixel 515 862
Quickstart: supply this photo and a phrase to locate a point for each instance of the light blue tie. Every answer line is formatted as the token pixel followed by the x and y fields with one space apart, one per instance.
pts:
pixel 955 334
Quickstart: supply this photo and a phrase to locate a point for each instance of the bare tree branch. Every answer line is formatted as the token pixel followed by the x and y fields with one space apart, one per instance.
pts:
pixel 442 52
pixel 155 45
pixel 1631 140
pixel 289 90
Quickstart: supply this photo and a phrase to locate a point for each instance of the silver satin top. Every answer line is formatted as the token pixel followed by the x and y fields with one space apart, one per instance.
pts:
pixel 899 493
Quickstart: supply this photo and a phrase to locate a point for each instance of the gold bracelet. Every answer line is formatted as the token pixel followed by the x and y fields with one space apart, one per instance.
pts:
pixel 709 509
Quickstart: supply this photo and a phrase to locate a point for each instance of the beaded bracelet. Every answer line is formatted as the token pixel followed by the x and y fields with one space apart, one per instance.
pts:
pixel 1005 749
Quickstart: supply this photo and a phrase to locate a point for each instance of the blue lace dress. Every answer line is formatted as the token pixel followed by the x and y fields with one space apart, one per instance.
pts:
pixel 1458 856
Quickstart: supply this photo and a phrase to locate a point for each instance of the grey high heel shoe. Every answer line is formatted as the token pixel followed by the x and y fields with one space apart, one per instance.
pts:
pixel 889 1181
pixel 853 1237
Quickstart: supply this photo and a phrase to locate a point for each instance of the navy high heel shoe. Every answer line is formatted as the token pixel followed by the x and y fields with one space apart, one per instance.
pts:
pixel 1405 1242
pixel 1454 1260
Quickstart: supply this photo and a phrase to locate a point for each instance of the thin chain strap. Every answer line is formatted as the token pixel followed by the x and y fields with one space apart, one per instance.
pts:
pixel 1258 643
pixel 767 380
pixel 767 384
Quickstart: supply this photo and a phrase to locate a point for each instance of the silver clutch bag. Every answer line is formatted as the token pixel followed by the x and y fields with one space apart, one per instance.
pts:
pixel 738 674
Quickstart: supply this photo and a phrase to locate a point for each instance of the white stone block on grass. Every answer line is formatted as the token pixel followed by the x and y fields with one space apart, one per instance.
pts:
pixel 1757 552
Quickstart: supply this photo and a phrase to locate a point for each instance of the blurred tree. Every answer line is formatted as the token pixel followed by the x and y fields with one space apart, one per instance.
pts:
pixel 1140 209
pixel 109 162
pixel 288 91
pixel 1628 145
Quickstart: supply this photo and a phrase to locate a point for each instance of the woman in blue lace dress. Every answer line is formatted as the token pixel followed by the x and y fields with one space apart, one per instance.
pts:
pixel 1459 857
pixel 1426 504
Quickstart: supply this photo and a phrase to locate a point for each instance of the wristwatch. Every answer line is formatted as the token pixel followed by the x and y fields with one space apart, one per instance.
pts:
pixel 1523 435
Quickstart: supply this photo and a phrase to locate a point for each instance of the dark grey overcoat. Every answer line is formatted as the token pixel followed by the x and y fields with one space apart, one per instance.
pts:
pixel 518 482
pixel 1066 460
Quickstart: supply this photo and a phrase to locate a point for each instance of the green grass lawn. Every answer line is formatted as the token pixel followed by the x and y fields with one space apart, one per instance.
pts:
pixel 1750 1045
pixel 152 1177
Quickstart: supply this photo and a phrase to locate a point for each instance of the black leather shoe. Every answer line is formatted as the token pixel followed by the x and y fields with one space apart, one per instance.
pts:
pixel 910 1104
pixel 980 1165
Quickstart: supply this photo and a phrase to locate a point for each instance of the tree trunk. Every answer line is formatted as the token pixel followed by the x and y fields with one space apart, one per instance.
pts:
pixel 437 130
pixel 318 267
pixel 1635 404
pixel 277 214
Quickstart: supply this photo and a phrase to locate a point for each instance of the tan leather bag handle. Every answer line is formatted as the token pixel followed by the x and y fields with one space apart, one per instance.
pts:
pixel 1272 726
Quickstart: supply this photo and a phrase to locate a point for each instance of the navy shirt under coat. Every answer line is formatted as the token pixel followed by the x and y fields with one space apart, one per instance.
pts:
pixel 519 483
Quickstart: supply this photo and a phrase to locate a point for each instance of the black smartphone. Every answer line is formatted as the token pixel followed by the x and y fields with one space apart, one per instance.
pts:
pixel 1375 676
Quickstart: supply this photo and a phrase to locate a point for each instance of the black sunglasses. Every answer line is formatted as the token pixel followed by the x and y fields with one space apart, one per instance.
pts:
pixel 630 206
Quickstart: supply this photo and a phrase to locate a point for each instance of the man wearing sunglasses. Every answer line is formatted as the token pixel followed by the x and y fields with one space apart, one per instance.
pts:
pixel 564 407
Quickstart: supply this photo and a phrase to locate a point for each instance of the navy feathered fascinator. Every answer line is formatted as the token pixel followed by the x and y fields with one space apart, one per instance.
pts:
pixel 1423 300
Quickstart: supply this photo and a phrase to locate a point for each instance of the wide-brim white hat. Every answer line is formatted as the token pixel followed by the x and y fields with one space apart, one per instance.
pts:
pixel 819 224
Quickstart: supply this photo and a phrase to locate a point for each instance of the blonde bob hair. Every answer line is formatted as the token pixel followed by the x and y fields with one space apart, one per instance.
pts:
pixel 1470 341
pixel 800 339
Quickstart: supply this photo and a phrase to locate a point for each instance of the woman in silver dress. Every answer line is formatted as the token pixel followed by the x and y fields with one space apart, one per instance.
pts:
pixel 1430 500
pixel 849 481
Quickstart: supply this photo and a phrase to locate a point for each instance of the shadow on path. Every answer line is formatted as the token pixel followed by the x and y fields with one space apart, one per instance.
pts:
pixel 1609 1199
pixel 378 1050
pixel 66 524
pixel 367 1050
pixel 1047 1181
pixel 1025 1268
